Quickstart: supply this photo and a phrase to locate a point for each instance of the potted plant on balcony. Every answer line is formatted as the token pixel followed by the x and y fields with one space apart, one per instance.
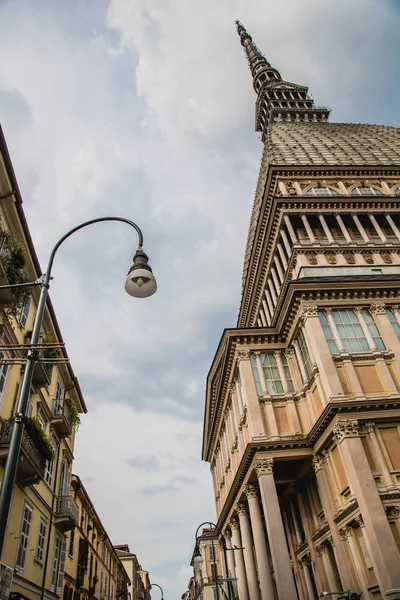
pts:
pixel 73 412
pixel 13 259
pixel 37 432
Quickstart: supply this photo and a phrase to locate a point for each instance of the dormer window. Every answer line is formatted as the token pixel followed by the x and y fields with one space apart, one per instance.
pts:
pixel 365 190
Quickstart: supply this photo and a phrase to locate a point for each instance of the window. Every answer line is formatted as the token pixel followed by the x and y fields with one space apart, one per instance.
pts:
pixel 24 538
pixel 71 542
pixel 65 482
pixel 48 474
pixel 3 371
pixel 326 328
pixel 214 571
pixel 57 406
pixel 41 540
pixel 23 313
pixel 350 331
pixel 57 573
pixel 304 353
pixel 321 191
pixel 255 374
pixel 287 373
pixel 372 328
pixel 271 373
pixel 393 321
pixel 212 553
pixel 365 190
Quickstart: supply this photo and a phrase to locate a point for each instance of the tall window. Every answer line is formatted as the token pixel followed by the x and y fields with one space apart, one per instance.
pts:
pixel 256 376
pixel 304 353
pixel 71 542
pixel 65 482
pixel 3 371
pixel 57 573
pixel 272 376
pixel 57 406
pixel 48 474
pixel 212 554
pixel 288 374
pixel 23 313
pixel 326 328
pixel 393 321
pixel 41 540
pixel 24 538
pixel 350 331
pixel 373 330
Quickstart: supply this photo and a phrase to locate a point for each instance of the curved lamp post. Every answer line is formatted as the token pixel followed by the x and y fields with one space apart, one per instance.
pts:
pixel 198 559
pixel 160 588
pixel 140 283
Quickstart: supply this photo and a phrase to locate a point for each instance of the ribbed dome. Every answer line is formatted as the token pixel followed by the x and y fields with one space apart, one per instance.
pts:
pixel 302 143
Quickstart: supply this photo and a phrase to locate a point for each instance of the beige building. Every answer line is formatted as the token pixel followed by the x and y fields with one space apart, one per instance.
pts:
pixel 93 569
pixel 42 507
pixel 208 570
pixel 139 588
pixel 302 420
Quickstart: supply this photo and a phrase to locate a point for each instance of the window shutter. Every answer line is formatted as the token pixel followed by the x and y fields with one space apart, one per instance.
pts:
pixel 56 556
pixel 61 567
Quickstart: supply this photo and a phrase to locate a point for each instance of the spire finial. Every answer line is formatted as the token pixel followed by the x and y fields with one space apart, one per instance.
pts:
pixel 256 59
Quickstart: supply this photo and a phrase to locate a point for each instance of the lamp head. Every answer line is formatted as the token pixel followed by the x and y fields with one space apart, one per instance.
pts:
pixel 197 558
pixel 140 282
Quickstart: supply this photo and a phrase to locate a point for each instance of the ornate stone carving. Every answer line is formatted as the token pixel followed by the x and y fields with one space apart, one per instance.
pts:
pixel 392 512
pixel 308 310
pixel 378 308
pixel 312 258
pixel 241 509
pixel 233 523
pixel 227 534
pixel 359 520
pixel 289 352
pixel 317 462
pixel 343 429
pixel 330 258
pixel 218 496
pixel 345 532
pixel 250 491
pixel 386 257
pixel 264 466
pixel 369 427
pixel 349 258
pixel 306 559
pixel 232 388
pixel 242 354
pixel 291 190
pixel 368 257
pixel 321 549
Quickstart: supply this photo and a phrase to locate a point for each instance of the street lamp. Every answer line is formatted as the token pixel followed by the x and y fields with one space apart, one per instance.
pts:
pixel 140 283
pixel 198 559
pixel 160 588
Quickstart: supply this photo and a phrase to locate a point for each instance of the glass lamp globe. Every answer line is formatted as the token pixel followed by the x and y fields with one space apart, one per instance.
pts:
pixel 140 282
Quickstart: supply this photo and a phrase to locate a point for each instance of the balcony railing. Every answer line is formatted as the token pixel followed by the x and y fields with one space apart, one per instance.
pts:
pixel 61 420
pixel 67 513
pixel 33 455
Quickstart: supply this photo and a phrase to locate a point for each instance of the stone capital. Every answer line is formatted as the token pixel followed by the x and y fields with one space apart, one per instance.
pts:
pixel 359 520
pixel 308 310
pixel 306 559
pixel 358 310
pixel 242 353
pixel 251 491
pixel 392 512
pixel 321 549
pixel 232 387
pixel 241 508
pixel 264 466
pixel 227 534
pixel 345 532
pixel 344 429
pixel 318 462
pixel 289 352
pixel 233 523
pixel 378 308
pixel 369 427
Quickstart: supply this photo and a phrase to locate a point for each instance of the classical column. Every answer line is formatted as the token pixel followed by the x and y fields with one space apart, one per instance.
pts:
pixel 305 564
pixel 377 228
pixel 346 534
pixel 385 556
pixel 290 229
pixel 240 568
pixel 382 466
pixel 343 229
pixel 326 229
pixel 393 226
pixel 247 540
pixel 229 553
pixel 276 534
pixel 262 558
pixel 361 229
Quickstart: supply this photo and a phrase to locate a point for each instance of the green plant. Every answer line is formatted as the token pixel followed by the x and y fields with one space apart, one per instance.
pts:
pixel 42 435
pixel 73 411
pixel 50 352
pixel 13 258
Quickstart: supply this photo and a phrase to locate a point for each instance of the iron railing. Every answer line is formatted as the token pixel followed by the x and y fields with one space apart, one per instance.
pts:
pixel 68 508
pixel 33 447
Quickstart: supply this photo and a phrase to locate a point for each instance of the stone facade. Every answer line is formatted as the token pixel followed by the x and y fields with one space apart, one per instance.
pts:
pixel 302 420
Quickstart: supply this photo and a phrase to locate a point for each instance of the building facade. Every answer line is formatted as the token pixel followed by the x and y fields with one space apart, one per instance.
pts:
pixel 93 570
pixel 42 507
pixel 302 420
pixel 139 588
pixel 208 568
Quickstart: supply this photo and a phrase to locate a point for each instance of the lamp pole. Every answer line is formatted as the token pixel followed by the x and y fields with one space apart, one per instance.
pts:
pixel 140 283
pixel 160 588
pixel 224 552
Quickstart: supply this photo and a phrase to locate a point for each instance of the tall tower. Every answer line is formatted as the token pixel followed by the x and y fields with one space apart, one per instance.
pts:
pixel 302 419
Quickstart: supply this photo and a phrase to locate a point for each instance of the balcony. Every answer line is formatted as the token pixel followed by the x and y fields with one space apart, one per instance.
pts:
pixel 42 372
pixel 67 513
pixel 122 590
pixel 12 261
pixel 33 455
pixel 61 420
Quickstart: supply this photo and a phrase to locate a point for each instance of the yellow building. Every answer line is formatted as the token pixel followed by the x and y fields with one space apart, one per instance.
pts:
pixel 42 507
pixel 208 568
pixel 139 588
pixel 302 420
pixel 93 569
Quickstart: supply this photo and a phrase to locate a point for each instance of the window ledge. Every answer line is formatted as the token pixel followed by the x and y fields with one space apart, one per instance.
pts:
pixel 359 356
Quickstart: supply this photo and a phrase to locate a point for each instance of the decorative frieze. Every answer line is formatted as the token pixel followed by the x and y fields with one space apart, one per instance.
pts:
pixel 386 257
pixel 343 429
pixel 264 466
pixel 330 258
pixel 368 257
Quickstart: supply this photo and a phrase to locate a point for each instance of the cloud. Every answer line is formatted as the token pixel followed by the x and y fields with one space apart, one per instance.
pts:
pixel 145 109
pixel 144 463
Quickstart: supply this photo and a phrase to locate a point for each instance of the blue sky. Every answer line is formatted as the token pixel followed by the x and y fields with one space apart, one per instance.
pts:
pixel 145 109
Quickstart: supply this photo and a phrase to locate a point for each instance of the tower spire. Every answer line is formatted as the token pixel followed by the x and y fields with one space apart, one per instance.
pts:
pixel 277 100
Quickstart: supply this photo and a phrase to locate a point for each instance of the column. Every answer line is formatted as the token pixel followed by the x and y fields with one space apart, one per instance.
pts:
pixel 276 281
pixel 361 229
pixel 346 533
pixel 305 564
pixel 377 228
pixel 279 268
pixel 382 547
pixel 393 226
pixel 308 228
pixel 290 229
pixel 343 229
pixel 282 255
pixel 286 242
pixel 326 229
pixel 272 290
pixel 386 476
pixel 247 540
pixel 240 569
pixel 378 310
pixel 276 534
pixel 229 555
pixel 262 558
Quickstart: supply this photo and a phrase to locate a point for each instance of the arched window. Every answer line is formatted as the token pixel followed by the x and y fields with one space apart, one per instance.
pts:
pixel 365 190
pixel 321 191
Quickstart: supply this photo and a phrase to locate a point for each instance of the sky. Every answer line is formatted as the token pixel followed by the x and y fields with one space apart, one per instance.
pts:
pixel 145 109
